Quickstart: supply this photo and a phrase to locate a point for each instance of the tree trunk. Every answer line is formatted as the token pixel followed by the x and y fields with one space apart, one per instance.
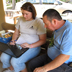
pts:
pixel 13 4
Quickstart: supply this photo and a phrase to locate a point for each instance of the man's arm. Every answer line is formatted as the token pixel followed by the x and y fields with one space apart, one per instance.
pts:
pixel 59 60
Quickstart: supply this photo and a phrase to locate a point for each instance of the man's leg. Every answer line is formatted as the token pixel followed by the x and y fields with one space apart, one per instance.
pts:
pixel 63 68
pixel 44 59
pixel 37 62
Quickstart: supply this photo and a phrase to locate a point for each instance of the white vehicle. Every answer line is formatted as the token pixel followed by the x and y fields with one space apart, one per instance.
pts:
pixel 42 5
pixel 62 6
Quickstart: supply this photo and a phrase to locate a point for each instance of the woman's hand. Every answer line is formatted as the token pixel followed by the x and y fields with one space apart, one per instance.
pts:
pixel 25 45
pixel 12 42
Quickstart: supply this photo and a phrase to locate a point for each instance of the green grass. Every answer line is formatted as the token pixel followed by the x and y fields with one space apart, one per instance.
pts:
pixel 9 7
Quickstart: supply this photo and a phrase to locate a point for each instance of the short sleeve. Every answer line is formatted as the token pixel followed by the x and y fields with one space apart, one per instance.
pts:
pixel 40 29
pixel 66 46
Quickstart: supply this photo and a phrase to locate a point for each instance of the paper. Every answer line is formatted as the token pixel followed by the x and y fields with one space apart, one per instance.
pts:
pixel 20 40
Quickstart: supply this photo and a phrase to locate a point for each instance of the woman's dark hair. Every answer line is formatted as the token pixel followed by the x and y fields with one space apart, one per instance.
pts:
pixel 29 7
pixel 52 14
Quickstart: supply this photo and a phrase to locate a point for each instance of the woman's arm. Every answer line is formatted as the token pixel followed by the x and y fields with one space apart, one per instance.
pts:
pixel 42 40
pixel 14 37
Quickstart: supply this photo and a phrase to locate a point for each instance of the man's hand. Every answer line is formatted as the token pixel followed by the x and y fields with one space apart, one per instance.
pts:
pixel 39 69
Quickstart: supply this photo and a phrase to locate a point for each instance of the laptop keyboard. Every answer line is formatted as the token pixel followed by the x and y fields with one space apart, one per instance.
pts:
pixel 18 46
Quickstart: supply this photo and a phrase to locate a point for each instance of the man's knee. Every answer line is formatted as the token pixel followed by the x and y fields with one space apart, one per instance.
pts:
pixel 31 66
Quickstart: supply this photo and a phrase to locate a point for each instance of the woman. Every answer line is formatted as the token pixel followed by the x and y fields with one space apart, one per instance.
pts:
pixel 31 34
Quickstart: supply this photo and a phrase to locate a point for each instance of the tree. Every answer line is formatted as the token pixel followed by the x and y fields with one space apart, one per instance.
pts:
pixel 13 4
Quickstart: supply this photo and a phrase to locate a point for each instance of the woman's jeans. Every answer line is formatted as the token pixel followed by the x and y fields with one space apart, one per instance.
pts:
pixel 19 63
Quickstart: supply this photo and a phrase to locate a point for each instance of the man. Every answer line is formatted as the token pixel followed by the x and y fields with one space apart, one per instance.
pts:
pixel 60 54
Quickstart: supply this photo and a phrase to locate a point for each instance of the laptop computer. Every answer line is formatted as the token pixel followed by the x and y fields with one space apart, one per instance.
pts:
pixel 12 50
